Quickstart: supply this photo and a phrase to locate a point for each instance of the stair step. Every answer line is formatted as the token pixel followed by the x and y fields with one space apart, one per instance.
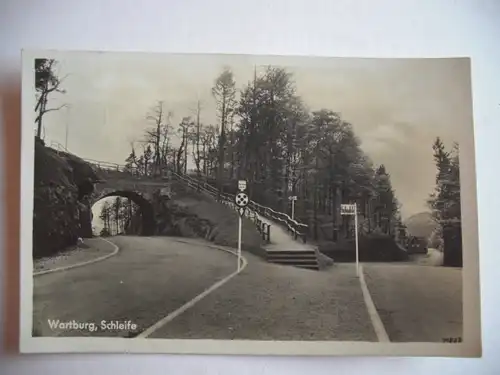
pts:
pixel 310 255
pixel 309 267
pixel 294 261
pixel 312 266
pixel 291 253
pixel 288 260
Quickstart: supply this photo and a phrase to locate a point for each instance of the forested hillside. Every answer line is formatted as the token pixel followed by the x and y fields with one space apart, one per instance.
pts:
pixel 266 134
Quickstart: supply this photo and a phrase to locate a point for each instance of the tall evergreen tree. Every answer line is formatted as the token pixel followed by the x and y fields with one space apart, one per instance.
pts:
pixel 224 93
pixel 445 202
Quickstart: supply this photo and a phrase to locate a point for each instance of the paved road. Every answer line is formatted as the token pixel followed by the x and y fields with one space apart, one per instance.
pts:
pixel 146 280
pixel 432 258
pixel 417 303
pixel 274 302
pixel 152 277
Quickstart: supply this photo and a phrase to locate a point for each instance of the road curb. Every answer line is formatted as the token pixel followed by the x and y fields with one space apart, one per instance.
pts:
pixel 81 264
pixel 162 322
pixel 377 324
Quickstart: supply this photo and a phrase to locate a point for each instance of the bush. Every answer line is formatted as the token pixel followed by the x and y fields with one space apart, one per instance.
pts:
pixel 372 248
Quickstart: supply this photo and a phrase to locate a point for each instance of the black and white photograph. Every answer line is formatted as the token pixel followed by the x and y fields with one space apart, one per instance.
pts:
pixel 245 204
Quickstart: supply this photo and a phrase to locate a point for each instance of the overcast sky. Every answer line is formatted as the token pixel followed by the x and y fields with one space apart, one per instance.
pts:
pixel 397 106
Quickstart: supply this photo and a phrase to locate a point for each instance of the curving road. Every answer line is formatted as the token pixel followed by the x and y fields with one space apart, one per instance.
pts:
pixel 146 280
pixel 417 303
pixel 152 277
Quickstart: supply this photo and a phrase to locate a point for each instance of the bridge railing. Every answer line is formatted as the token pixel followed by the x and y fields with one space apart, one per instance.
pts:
pixel 98 164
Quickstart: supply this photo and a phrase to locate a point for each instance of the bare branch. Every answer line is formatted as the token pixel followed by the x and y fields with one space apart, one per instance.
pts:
pixel 39 102
pixel 55 109
pixel 49 110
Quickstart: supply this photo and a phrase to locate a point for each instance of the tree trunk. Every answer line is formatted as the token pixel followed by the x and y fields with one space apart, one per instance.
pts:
pixel 185 151
pixel 220 171
pixel 198 170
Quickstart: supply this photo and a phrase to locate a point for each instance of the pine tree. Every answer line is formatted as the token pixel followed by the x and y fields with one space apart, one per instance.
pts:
pixel 224 93
pixel 386 204
pixel 147 157
pixel 105 216
pixel 445 202
pixel 131 162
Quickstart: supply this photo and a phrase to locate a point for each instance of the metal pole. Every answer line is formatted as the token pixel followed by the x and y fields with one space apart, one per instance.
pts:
pixel 293 208
pixel 239 244
pixel 356 233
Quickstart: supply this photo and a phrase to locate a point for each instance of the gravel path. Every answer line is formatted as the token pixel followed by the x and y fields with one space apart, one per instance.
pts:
pixel 280 239
pixel 417 303
pixel 432 258
pixel 91 249
pixel 273 302
pixel 146 280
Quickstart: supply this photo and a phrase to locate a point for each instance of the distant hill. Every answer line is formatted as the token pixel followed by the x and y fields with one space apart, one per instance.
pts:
pixel 421 224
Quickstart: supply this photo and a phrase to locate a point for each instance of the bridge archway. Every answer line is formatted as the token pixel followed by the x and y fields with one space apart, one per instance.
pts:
pixel 148 224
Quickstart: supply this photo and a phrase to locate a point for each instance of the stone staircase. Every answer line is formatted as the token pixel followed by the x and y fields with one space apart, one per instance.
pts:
pixel 297 258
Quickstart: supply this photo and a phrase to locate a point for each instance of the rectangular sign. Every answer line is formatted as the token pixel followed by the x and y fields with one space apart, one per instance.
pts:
pixel 242 185
pixel 347 209
pixel 293 198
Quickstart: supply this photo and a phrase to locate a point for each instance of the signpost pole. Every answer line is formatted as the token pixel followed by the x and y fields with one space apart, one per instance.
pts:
pixel 239 243
pixel 356 234
pixel 241 202
pixel 293 208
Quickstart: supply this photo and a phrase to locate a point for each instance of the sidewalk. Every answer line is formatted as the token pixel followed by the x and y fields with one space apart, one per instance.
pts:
pixel 93 248
pixel 281 240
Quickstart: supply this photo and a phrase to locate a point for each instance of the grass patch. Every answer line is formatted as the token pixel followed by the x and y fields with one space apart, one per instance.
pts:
pixel 223 220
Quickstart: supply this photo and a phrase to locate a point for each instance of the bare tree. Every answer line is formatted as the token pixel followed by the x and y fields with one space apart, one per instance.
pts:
pixel 185 128
pixel 196 139
pixel 165 142
pixel 154 135
pixel 46 82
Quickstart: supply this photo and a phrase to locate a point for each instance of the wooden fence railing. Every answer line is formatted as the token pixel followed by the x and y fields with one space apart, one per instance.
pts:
pixel 294 228
pixel 228 200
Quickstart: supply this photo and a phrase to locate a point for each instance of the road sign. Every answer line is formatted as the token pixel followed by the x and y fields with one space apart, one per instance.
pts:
pixel 352 209
pixel 241 200
pixel 241 211
pixel 293 198
pixel 348 209
pixel 242 185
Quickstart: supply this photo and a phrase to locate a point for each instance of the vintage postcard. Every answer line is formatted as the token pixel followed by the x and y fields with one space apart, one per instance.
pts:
pixel 241 204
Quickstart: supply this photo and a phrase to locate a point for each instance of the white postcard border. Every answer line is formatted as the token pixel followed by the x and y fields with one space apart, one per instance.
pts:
pixel 470 347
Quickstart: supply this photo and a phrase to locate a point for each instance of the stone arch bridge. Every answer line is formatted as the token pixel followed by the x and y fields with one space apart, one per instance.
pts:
pixel 116 180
